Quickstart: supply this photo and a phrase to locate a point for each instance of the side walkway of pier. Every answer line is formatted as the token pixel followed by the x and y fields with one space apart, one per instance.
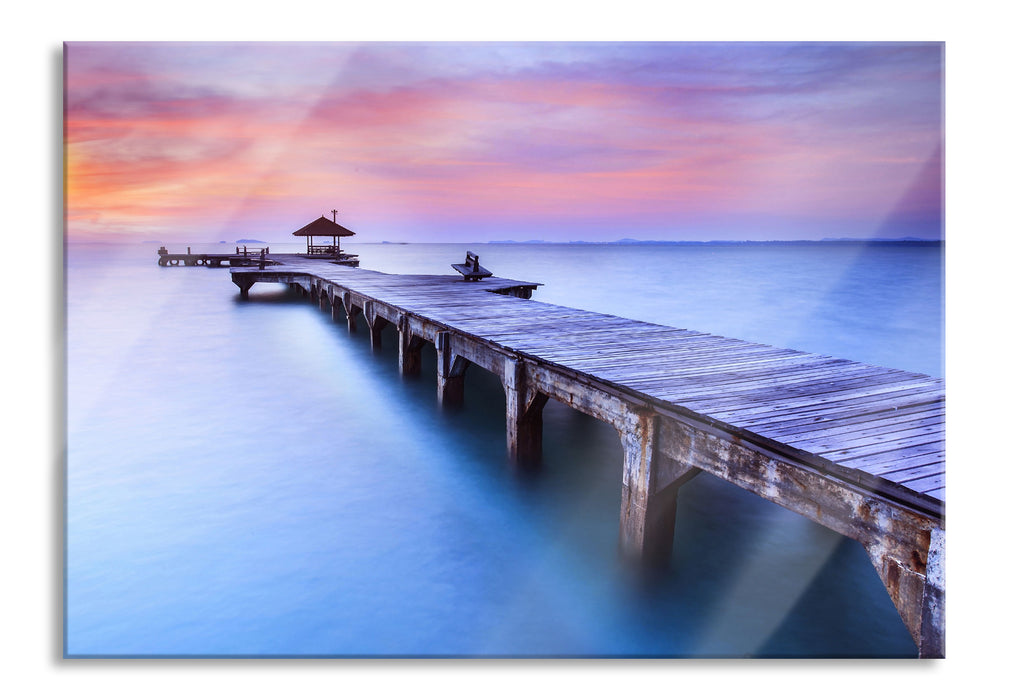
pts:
pixel 856 448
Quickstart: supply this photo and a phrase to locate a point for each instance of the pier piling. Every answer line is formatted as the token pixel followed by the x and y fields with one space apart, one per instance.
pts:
pixel 451 371
pixel 651 485
pixel 409 349
pixel 523 416
pixel 376 324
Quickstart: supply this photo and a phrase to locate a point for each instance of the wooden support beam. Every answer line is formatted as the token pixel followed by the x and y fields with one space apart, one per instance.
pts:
pixel 524 416
pixel 409 348
pixel 375 324
pixel 451 371
pixel 351 310
pixel 244 283
pixel 932 640
pixel 918 591
pixel 335 304
pixel 648 501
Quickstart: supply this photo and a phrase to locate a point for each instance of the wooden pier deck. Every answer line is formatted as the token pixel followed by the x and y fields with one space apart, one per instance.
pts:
pixel 857 448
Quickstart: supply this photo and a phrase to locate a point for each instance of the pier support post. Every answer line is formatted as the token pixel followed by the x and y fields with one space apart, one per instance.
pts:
pixel 351 310
pixel 244 283
pixel 409 349
pixel 451 371
pixel 334 305
pixel 932 644
pixel 648 502
pixel 918 591
pixel 524 417
pixel 375 324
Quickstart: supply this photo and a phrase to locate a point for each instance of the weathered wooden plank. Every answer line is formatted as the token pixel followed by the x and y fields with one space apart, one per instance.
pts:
pixel 672 365
pixel 604 344
pixel 578 341
pixel 926 483
pixel 682 385
pixel 804 421
pixel 791 407
pixel 909 473
pixel 683 352
pixel 774 384
pixel 881 402
pixel 708 368
pixel 869 425
pixel 880 464
pixel 698 376
pixel 822 409
pixel 917 443
pixel 854 438
pixel 792 375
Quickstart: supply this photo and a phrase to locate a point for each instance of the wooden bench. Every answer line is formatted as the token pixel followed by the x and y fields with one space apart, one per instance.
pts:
pixel 471 270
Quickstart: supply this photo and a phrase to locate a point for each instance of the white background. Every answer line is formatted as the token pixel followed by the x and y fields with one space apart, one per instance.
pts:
pixel 32 398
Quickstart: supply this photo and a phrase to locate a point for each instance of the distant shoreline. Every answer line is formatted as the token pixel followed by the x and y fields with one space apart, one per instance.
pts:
pixel 633 241
pixel 622 242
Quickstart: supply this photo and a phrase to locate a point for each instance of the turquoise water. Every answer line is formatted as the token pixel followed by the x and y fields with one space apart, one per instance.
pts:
pixel 248 478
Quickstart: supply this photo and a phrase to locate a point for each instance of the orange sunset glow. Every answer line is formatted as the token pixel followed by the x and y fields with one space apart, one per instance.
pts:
pixel 460 142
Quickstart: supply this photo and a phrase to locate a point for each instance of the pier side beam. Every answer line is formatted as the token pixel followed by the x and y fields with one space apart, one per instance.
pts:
pixel 409 349
pixel 524 417
pixel 451 371
pixel 651 486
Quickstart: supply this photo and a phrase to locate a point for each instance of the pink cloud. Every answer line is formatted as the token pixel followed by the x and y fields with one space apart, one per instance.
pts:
pixel 170 150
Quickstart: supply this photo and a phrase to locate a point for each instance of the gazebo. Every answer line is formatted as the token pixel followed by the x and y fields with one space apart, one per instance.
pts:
pixel 324 228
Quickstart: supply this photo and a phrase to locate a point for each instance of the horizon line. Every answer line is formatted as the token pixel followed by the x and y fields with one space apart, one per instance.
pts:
pixel 539 241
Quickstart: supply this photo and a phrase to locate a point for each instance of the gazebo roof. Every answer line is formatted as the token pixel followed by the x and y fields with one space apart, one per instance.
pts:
pixel 323 227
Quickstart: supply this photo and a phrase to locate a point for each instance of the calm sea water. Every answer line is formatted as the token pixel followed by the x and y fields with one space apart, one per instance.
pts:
pixel 247 478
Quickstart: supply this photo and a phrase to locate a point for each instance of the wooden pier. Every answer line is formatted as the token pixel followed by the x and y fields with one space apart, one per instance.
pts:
pixel 242 257
pixel 856 448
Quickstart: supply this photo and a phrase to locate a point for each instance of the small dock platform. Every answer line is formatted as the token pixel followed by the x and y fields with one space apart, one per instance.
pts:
pixel 856 448
pixel 249 257
pixel 242 257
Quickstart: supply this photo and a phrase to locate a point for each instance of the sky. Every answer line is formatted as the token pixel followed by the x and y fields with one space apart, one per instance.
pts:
pixel 470 142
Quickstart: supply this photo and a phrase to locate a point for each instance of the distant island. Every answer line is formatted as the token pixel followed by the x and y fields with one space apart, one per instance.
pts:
pixel 246 240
